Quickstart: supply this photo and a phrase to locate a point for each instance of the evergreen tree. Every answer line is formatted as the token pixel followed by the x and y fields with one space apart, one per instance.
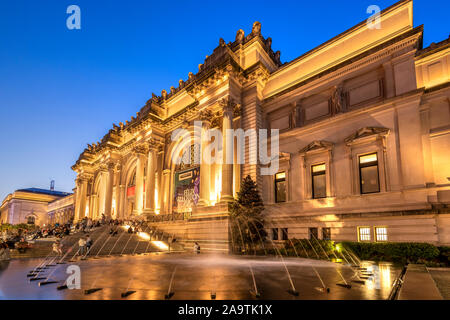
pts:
pixel 246 218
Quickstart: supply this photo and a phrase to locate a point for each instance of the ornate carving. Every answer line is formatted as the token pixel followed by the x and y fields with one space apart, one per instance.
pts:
pixel 206 115
pixel 316 146
pixel 367 132
pixel 337 99
pixel 278 57
pixel 269 44
pixel 240 35
pixel 112 165
pixel 256 29
pixel 155 144
pixel 237 111
pixel 140 149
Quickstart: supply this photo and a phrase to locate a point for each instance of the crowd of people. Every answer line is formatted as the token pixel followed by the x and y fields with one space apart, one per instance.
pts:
pixel 19 239
pixel 4 251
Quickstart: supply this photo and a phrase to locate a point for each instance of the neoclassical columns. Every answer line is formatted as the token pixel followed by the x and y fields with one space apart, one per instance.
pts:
pixel 109 189
pixel 165 191
pixel 81 197
pixel 205 165
pixel 117 198
pixel 150 181
pixel 140 163
pixel 121 202
pixel 227 166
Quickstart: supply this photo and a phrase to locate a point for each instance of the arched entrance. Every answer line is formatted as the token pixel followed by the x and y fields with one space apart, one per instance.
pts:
pixel 186 180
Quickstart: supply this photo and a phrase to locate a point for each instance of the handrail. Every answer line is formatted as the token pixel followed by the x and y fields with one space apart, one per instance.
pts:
pixel 397 284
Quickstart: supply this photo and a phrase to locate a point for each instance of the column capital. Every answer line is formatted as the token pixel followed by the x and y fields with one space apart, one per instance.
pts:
pixel 84 177
pixel 227 105
pixel 140 149
pixel 206 117
pixel 154 145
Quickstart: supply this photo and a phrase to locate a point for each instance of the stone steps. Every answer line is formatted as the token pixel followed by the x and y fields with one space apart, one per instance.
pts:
pixel 104 244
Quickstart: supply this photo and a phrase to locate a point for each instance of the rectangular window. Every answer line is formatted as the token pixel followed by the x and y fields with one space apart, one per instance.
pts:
pixel 280 187
pixel 313 234
pixel 368 173
pixel 319 181
pixel 380 234
pixel 326 233
pixel 275 234
pixel 284 234
pixel 363 233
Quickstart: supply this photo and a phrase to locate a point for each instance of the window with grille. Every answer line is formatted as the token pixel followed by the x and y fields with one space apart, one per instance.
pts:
pixel 364 234
pixel 381 233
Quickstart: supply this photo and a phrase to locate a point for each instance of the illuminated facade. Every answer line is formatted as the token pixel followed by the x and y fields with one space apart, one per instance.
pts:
pixel 31 206
pixel 364 124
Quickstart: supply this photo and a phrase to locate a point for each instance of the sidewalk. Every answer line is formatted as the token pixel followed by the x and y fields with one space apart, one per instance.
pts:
pixel 442 278
pixel 418 285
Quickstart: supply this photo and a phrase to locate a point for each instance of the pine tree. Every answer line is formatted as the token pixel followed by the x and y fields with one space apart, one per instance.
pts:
pixel 246 219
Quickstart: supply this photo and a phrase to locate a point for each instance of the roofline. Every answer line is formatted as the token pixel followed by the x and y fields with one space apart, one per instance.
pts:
pixel 405 35
pixel 339 36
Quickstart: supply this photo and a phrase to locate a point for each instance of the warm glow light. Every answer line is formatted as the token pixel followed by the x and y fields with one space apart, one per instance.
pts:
pixel 144 235
pixel 161 245
pixel 157 209
pixel 126 227
pixel 324 203
pixel 385 273
pixel 318 168
pixel 218 185
pixel 280 175
pixel 368 158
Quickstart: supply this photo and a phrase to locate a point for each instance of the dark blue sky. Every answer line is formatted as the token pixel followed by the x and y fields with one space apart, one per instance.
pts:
pixel 61 89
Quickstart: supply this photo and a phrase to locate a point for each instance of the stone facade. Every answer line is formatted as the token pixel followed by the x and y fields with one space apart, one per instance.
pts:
pixel 61 210
pixel 29 206
pixel 370 107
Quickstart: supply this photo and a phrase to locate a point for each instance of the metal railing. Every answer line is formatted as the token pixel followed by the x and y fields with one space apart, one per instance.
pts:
pixel 169 217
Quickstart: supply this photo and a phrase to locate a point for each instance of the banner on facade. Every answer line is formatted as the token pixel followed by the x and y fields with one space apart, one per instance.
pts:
pixel 186 190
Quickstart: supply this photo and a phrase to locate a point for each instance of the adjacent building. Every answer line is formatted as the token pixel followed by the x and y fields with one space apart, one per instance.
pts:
pixel 364 122
pixel 29 206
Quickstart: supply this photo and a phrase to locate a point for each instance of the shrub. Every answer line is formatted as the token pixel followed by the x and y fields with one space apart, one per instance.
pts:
pixel 401 252
pixel 315 249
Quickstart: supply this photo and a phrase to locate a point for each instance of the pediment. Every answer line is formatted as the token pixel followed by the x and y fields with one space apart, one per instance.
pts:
pixel 367 132
pixel 317 145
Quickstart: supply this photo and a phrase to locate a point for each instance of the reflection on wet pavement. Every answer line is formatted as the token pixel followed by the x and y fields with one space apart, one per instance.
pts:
pixel 196 276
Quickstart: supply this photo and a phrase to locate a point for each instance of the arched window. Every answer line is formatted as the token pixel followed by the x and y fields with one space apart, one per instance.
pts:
pixel 190 158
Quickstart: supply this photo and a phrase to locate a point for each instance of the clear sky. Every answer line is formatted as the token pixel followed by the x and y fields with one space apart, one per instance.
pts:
pixel 61 89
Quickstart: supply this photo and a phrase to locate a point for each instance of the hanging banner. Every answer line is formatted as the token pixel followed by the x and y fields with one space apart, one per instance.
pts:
pixel 186 190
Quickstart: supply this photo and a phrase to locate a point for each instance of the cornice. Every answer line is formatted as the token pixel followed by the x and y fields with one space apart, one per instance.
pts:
pixel 370 56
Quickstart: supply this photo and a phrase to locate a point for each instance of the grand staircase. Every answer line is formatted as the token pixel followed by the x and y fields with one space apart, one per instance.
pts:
pixel 149 240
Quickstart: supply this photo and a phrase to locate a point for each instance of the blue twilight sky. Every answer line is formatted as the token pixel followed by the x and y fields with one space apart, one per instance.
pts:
pixel 61 89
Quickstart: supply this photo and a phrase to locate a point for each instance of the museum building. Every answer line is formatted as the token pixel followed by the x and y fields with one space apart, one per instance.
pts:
pixel 364 141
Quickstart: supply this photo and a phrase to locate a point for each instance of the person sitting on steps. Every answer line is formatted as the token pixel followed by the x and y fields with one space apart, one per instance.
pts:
pixel 196 248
